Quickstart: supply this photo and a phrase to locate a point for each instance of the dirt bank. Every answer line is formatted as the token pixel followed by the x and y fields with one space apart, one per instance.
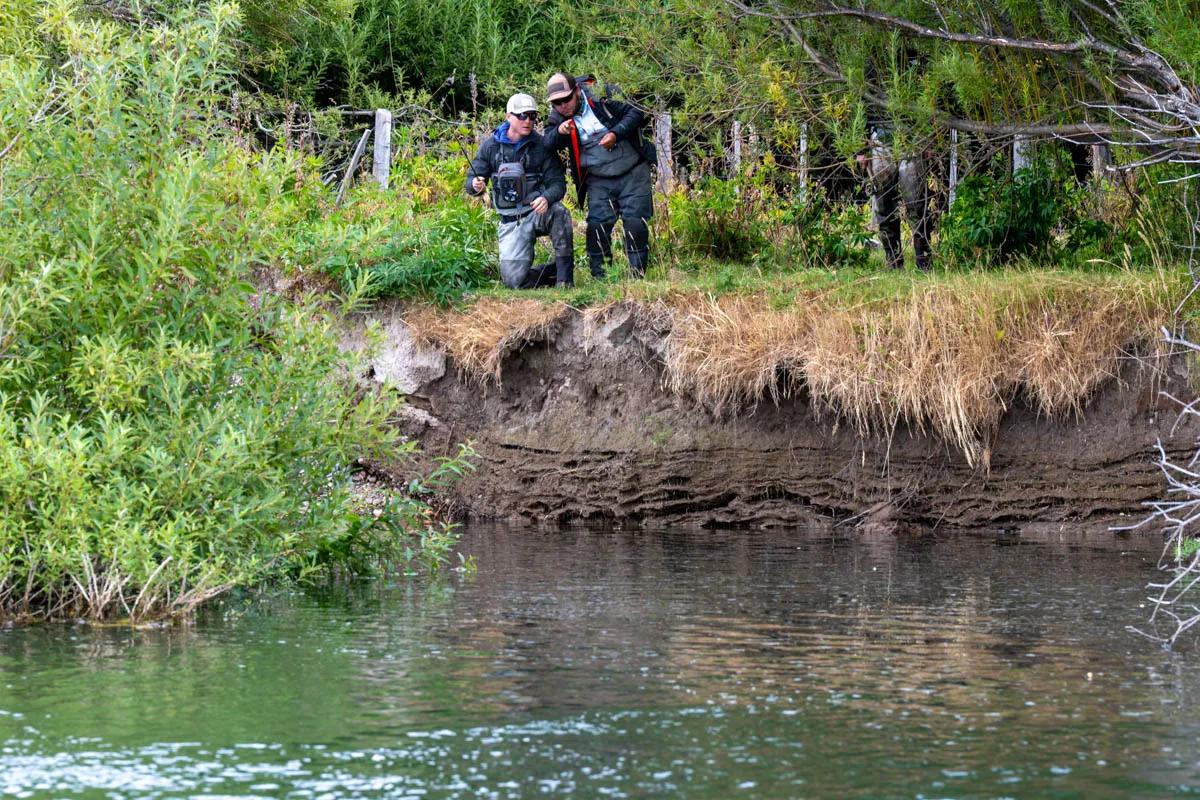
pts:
pixel 582 427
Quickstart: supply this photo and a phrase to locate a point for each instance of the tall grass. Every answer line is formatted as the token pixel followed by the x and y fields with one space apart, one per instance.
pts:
pixel 359 53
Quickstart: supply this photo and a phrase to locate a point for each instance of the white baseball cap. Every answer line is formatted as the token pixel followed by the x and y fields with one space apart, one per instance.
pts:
pixel 520 103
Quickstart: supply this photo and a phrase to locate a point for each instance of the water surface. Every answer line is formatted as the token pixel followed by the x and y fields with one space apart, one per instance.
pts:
pixel 621 664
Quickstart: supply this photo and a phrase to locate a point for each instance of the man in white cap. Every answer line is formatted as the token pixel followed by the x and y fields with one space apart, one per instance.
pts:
pixel 527 186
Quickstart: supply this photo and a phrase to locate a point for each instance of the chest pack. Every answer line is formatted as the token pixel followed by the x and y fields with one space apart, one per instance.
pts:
pixel 510 186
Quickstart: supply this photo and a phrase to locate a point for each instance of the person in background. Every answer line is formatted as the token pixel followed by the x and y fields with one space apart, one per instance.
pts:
pixel 528 185
pixel 610 164
pixel 893 181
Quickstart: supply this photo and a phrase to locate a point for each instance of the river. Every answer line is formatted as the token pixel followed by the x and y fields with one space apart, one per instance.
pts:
pixel 633 664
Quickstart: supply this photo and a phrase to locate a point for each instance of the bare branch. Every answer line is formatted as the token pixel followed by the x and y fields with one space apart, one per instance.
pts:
pixel 1152 107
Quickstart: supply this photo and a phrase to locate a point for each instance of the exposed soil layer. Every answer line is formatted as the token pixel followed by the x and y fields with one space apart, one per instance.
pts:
pixel 580 428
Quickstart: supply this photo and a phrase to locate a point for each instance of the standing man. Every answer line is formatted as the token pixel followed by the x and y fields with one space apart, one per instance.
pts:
pixel 895 175
pixel 610 165
pixel 894 181
pixel 527 186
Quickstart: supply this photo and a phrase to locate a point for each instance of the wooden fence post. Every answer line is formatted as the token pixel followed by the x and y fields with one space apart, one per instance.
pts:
pixel 1101 161
pixel 735 156
pixel 382 165
pixel 953 164
pixel 666 160
pixel 803 165
pixel 1022 152
pixel 359 149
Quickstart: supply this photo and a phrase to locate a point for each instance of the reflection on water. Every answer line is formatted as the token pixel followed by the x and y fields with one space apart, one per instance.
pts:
pixel 615 664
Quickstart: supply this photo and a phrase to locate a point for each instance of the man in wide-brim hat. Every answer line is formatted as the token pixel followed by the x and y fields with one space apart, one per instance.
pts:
pixel 610 164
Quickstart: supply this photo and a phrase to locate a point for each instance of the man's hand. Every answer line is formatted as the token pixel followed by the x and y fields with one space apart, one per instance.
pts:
pixel 539 205
pixel 608 141
pixel 477 184
pixel 565 126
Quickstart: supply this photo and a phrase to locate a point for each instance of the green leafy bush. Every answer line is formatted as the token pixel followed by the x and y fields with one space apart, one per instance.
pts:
pixel 1044 213
pixel 750 219
pixel 442 256
pixel 716 219
pixel 1000 218
pixel 166 431
pixel 403 532
pixel 820 235
pixel 423 239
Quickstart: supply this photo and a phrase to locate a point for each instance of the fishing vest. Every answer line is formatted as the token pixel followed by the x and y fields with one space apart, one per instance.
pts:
pixel 510 188
pixel 606 163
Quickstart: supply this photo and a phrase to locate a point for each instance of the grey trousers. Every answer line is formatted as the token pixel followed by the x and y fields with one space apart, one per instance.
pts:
pixel 517 237
pixel 628 198
pixel 891 184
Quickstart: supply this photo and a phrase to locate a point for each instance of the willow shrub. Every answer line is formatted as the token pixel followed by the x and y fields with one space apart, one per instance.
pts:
pixel 165 431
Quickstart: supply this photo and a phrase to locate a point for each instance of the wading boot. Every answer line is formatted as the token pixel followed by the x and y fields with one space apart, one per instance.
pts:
pixel 565 271
pixel 599 248
pixel 637 247
pixel 540 275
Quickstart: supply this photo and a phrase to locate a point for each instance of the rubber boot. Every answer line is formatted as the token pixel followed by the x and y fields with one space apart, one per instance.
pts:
pixel 599 249
pixel 540 275
pixel 637 246
pixel 565 269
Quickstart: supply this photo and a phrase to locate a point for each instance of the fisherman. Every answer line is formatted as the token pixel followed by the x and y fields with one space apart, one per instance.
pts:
pixel 898 172
pixel 527 184
pixel 610 164
pixel 893 181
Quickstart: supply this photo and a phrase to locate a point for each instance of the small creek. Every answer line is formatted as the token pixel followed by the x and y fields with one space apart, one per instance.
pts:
pixel 647 664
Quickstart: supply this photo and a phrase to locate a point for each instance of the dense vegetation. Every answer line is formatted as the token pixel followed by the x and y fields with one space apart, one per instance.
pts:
pixel 167 429
pixel 808 78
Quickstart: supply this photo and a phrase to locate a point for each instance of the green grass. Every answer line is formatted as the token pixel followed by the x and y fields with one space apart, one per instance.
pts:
pixel 847 287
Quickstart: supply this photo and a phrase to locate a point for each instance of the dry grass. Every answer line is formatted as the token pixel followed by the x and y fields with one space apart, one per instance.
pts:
pixel 946 355
pixel 949 357
pixel 730 352
pixel 479 338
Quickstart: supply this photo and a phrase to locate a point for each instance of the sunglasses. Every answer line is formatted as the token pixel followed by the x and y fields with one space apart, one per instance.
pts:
pixel 562 101
pixel 527 115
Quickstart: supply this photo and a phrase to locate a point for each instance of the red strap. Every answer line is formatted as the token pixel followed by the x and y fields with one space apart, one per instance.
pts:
pixel 579 170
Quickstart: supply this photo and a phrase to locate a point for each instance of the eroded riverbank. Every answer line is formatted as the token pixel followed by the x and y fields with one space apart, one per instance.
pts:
pixel 581 419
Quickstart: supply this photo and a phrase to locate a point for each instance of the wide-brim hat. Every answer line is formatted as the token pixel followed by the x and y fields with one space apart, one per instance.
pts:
pixel 520 103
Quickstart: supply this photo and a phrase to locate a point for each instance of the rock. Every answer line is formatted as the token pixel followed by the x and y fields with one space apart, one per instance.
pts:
pixel 401 362
pixel 405 363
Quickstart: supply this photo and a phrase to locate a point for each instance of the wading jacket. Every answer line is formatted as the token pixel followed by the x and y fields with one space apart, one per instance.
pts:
pixel 623 119
pixel 544 170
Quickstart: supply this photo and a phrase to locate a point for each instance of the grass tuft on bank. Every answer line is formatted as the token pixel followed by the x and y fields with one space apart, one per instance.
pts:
pixel 480 336
pixel 947 354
